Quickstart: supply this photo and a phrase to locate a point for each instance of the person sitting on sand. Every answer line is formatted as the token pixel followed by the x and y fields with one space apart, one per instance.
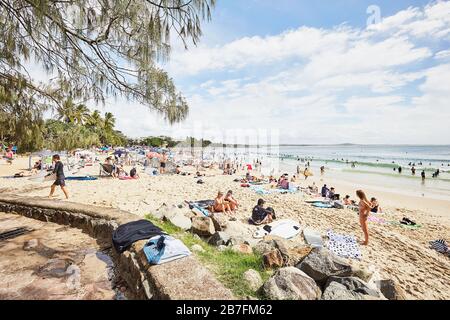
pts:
pixel 376 206
pixel 364 211
pixel 348 201
pixel 134 174
pixel 260 215
pixel 231 200
pixel 120 172
pixel 58 170
pixel 325 191
pixel 314 189
pixel 220 205
pixel 283 183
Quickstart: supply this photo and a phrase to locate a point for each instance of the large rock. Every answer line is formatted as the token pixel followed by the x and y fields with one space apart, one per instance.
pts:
pixel 219 239
pixel 271 243
pixel 180 220
pixel 264 247
pixel 337 291
pixel 321 264
pixel 242 248
pixel 391 290
pixel 297 254
pixel 355 285
pixel 291 284
pixel 253 279
pixel 203 226
pixel 273 259
pixel 220 221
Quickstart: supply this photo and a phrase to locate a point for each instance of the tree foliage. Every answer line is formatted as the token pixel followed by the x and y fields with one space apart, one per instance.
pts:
pixel 93 49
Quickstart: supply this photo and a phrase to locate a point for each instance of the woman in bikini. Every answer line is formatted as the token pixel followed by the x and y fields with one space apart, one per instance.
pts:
pixel 364 212
pixel 220 205
pixel 231 201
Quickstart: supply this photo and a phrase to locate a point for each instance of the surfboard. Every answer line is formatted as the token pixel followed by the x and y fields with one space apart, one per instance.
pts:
pixel 286 229
pixel 313 238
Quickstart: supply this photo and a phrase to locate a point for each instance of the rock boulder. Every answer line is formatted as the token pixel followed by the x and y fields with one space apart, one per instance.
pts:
pixel 219 239
pixel 321 264
pixel 203 226
pixel 273 259
pixel 220 221
pixel 253 279
pixel 291 284
pixel 391 290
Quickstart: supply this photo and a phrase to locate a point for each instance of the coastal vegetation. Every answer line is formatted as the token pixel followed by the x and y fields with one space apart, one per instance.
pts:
pixel 228 266
pixel 88 51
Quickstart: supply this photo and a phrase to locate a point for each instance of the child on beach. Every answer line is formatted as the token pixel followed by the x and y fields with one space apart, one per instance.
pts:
pixel 60 178
pixel 364 211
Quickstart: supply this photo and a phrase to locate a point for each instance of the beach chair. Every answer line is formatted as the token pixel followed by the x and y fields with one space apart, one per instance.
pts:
pixel 106 170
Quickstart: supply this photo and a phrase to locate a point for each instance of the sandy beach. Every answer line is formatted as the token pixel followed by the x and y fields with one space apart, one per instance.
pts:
pixel 396 252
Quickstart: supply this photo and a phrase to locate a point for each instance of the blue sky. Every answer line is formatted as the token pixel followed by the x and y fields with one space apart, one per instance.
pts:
pixel 315 72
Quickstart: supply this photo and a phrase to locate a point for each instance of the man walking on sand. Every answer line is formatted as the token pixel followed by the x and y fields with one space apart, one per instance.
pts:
pixel 60 178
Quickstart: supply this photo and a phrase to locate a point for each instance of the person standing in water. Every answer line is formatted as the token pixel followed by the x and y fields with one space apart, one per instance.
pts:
pixel 364 211
pixel 60 178
pixel 423 175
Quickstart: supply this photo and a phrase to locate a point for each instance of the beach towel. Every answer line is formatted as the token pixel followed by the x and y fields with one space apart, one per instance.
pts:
pixel 127 178
pixel 322 205
pixel 164 249
pixel 82 178
pixel 440 246
pixel 261 191
pixel 200 211
pixel 127 234
pixel 202 203
pixel 343 245
pixel 375 219
pixel 313 238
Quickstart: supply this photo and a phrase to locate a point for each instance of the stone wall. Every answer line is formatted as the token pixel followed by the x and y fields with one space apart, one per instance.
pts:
pixel 184 279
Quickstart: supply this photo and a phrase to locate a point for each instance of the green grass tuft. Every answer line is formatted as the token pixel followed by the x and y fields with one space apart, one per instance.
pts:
pixel 227 265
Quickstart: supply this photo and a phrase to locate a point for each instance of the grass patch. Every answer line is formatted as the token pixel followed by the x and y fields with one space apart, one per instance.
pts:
pixel 228 266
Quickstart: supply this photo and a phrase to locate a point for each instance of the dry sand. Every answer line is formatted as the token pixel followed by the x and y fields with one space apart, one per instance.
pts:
pixel 397 252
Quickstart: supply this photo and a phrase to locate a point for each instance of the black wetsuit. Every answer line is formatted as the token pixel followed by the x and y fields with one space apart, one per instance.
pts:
pixel 59 170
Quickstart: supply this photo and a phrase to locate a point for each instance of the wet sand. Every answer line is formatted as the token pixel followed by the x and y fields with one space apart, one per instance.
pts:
pixel 52 262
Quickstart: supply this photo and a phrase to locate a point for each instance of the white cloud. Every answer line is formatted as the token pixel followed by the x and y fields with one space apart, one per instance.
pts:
pixel 389 83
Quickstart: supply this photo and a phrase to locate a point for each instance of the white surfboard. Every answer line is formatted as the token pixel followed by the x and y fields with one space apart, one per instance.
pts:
pixel 286 229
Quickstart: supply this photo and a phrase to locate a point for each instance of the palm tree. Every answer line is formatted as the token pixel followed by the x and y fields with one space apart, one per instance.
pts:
pixel 95 121
pixel 66 112
pixel 109 122
pixel 81 113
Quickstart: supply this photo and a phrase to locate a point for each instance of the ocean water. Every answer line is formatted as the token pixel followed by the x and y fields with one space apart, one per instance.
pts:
pixel 375 164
